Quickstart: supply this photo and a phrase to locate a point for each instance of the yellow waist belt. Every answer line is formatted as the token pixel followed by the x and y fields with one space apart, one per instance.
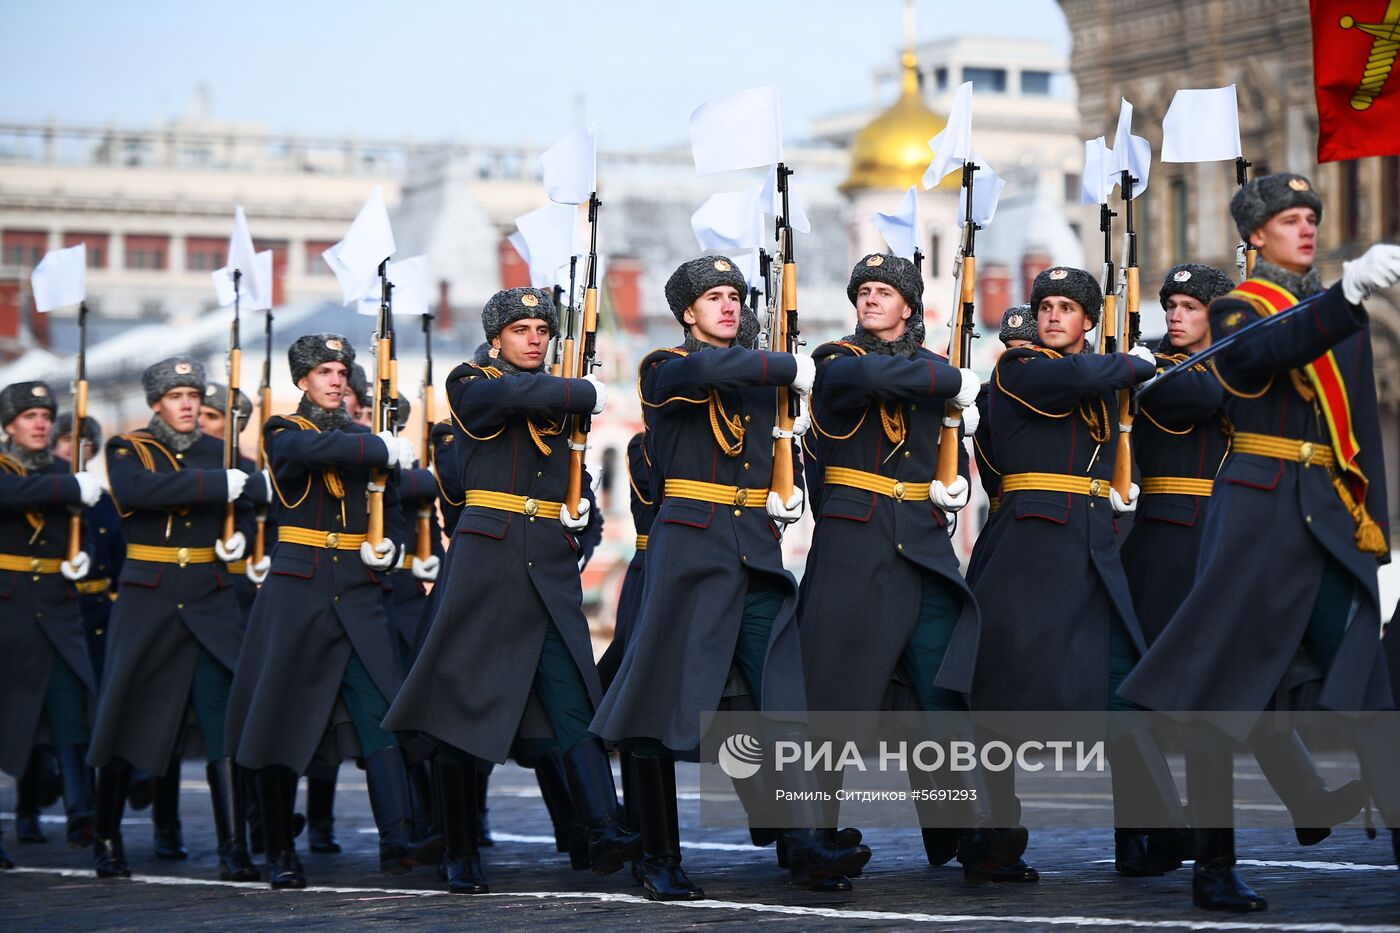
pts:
pixel 1055 482
pixel 874 482
pixel 93 587
pixel 993 503
pixel 1176 485
pixel 30 564
pixel 1308 453
pixel 314 537
pixel 641 542
pixel 520 505
pixel 170 555
pixel 238 566
pixel 716 493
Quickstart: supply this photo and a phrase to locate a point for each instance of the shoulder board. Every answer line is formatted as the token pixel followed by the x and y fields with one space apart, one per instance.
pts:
pixel 490 372
pixel 659 355
pixel 1030 352
pixel 11 465
pixel 303 423
pixel 833 347
pixel 146 446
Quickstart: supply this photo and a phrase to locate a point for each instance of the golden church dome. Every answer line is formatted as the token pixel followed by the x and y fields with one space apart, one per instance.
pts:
pixel 892 150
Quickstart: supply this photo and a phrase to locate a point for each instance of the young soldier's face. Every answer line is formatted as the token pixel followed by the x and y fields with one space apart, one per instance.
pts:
pixel 63 447
pixel 714 316
pixel 1288 239
pixel 1188 323
pixel 523 343
pixel 179 408
pixel 326 385
pixel 882 310
pixel 211 421
pixel 364 414
pixel 30 429
pixel 1062 324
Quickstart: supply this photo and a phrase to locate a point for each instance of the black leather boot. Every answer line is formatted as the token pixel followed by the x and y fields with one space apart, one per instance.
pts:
pixel 1214 883
pixel 226 793
pixel 1004 812
pixel 1293 775
pixel 320 816
pixel 483 821
pixel 569 834
pixel 611 844
pixel 276 789
pixel 5 862
pixel 1144 795
pixel 165 815
pixel 420 785
pixel 653 782
pixel 454 781
pixel 79 795
pixel 141 792
pixel 399 852
pixel 107 851
pixel 27 829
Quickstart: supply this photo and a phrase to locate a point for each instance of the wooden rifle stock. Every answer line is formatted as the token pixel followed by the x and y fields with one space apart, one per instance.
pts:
pixel 947 470
pixel 423 546
pixel 384 390
pixel 578 437
pixel 235 360
pixel 80 397
pixel 264 412
pixel 1123 458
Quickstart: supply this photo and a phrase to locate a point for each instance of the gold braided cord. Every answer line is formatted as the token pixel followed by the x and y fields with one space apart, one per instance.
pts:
pixel 539 432
pixel 1097 421
pixel 978 444
pixel 35 517
pixel 631 481
pixel 894 425
pixel 996 374
pixel 720 420
pixel 1163 428
pixel 838 437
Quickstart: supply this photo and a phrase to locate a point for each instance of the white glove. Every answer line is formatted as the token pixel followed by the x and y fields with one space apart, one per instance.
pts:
pixel 267 482
pixel 378 557
pixel 1119 506
pixel 785 513
pixel 77 568
pixel 949 498
pixel 232 549
pixel 89 489
pixel 971 418
pixel 967 393
pixel 600 389
pixel 237 479
pixel 803 422
pixel 1378 267
pixel 257 572
pixel 1143 354
pixel 425 570
pixel 575 524
pixel 406 453
pixel 391 447
pixel 806 373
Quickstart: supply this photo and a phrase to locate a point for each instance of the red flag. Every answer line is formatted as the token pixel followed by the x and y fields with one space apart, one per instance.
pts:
pixel 1357 73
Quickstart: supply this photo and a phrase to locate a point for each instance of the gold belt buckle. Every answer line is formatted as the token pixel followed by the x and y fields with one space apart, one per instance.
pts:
pixel 1094 487
pixel 182 556
pixel 1306 452
pixel 332 539
pixel 35 564
pixel 899 491
pixel 532 508
pixel 741 497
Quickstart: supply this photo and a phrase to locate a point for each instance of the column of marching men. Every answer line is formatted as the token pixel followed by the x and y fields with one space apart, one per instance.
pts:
pixel 1248 580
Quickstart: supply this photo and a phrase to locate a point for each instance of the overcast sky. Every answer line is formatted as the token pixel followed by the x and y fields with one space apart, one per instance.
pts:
pixel 501 71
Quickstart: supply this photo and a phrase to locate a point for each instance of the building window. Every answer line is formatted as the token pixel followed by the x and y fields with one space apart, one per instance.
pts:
pixel 1035 83
pixel 986 79
pixel 1349 200
pixel 1180 246
pixel 24 247
pixel 940 78
pixel 1390 196
pixel 1074 183
pixel 96 247
pixel 205 253
pixel 315 263
pixel 935 251
pixel 148 252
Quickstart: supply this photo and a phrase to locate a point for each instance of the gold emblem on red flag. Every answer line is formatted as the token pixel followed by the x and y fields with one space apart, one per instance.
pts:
pixel 1381 60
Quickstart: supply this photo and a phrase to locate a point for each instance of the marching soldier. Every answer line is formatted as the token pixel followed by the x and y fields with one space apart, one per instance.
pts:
pixel 176 627
pixel 1304 473
pixel 878 407
pixel 323 600
pixel 46 678
pixel 716 594
pixel 1053 429
pixel 511 592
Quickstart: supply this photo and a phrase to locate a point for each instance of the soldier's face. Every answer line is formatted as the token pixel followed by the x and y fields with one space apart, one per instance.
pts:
pixel 1062 324
pixel 179 408
pixel 714 316
pixel 882 310
pixel 1188 323
pixel 63 447
pixel 326 385
pixel 30 429
pixel 523 343
pixel 1288 239
pixel 211 421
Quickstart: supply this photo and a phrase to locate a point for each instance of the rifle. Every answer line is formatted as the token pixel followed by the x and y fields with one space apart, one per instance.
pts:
pixel 556 365
pixel 1245 266
pixel 423 547
pixel 264 412
pixel 80 394
pixel 964 330
pixel 1123 457
pixel 570 323
pixel 1108 320
pixel 235 365
pixel 386 396
pixel 782 337
pixel 587 357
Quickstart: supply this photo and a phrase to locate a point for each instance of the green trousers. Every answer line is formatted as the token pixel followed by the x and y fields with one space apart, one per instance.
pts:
pixel 65 704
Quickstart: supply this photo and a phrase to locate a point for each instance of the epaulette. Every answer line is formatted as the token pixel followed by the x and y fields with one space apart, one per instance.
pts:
pixel 843 344
pixel 306 424
pixel 490 372
pixel 1030 352
pixel 145 446
pixel 11 465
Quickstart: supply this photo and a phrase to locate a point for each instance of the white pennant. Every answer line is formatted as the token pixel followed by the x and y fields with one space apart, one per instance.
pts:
pixel 1097 182
pixel 986 192
pixel 901 229
pixel 570 167
pixel 548 235
pixel 737 131
pixel 369 241
pixel 731 220
pixel 952 147
pixel 409 278
pixel 1131 153
pixel 60 278
pixel 1202 126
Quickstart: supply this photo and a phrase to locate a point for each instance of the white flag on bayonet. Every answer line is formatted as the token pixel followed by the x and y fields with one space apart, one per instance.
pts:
pixel 570 167
pixel 1131 153
pixel 901 228
pixel 409 279
pixel 737 131
pixel 369 241
pixel 60 278
pixel 1202 125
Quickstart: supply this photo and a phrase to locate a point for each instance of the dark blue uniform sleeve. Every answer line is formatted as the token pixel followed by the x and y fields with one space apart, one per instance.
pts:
pixel 296 451
pixel 25 492
pixel 1187 398
pixel 1056 385
pixel 684 376
pixel 1291 343
pixel 480 403
pixel 135 487
pixel 848 382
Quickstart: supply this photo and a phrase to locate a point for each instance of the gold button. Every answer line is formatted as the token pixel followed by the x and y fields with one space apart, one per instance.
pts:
pixel 38 615
pixel 531 507
pixel 179 605
pixel 529 563
pixel 738 511
pixel 335 558
pixel 899 547
pixel 748 417
pixel 1308 519
pixel 532 518
pixel 179 456
pixel 907 453
pixel 102 531
pixel 1306 452
pixel 34 564
pixel 744 558
pixel 335 599
pixel 182 556
pixel 332 540
pixel 741 497
pixel 913 407
pixel 35 578
pixel 899 491
pixel 539 473
pixel 746 466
